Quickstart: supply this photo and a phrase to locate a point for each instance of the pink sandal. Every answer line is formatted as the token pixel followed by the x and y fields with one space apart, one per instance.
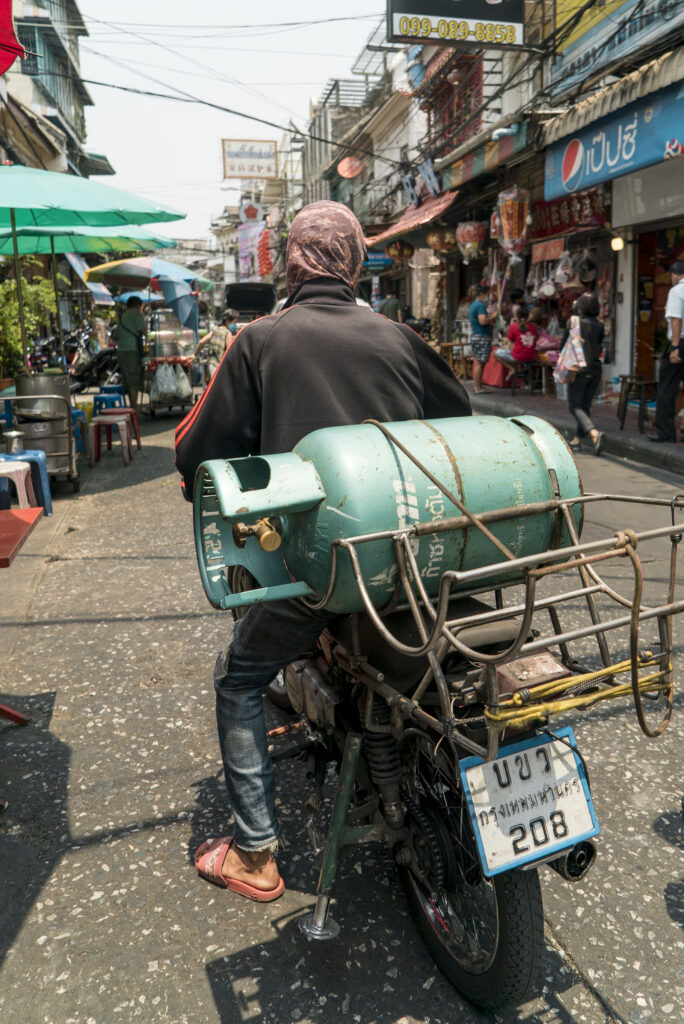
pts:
pixel 209 862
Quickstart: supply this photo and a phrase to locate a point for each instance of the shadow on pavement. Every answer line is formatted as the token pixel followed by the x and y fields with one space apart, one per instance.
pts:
pixel 670 826
pixel 36 815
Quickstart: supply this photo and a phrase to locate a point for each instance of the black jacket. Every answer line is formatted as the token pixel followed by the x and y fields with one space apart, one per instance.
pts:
pixel 323 361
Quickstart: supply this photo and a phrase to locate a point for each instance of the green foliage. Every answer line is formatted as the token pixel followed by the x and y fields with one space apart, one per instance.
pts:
pixel 39 303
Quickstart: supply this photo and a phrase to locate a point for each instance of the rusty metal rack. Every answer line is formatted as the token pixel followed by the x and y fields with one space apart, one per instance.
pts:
pixel 640 673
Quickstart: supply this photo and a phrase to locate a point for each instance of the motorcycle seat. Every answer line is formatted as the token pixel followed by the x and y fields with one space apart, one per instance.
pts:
pixel 403 671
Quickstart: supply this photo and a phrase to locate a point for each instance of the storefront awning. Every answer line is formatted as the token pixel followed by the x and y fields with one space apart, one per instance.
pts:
pixel 650 78
pixel 413 218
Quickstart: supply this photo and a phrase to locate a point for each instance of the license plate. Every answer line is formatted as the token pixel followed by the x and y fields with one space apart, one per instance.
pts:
pixel 531 802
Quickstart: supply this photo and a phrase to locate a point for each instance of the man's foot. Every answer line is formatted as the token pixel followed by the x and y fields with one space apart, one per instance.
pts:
pixel 598 442
pixel 254 875
pixel 257 869
pixel 659 439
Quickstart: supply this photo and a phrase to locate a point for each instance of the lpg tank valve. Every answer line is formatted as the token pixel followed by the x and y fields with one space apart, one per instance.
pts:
pixel 264 530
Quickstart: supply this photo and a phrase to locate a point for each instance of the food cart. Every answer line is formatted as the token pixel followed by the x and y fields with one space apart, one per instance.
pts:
pixel 169 345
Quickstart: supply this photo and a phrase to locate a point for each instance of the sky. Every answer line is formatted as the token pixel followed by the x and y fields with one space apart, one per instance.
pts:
pixel 236 55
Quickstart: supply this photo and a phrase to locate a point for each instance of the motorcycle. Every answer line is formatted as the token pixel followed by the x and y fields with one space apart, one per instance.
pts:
pixel 91 366
pixel 45 354
pixel 433 690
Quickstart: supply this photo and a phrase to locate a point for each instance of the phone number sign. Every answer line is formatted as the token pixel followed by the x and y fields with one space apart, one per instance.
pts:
pixel 498 23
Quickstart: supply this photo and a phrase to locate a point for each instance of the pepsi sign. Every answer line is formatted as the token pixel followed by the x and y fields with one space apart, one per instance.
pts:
pixel 637 136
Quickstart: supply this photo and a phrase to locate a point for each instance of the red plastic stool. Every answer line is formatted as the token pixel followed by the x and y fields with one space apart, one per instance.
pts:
pixel 100 423
pixel 132 416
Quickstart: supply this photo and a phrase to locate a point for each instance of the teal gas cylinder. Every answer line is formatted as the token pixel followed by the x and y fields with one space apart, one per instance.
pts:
pixel 346 482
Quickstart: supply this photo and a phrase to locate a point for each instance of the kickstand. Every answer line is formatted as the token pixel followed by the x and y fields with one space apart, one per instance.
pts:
pixel 320 925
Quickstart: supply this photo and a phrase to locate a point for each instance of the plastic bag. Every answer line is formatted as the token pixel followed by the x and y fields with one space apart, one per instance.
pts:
pixel 183 385
pixel 564 270
pixel 163 384
pixel 572 356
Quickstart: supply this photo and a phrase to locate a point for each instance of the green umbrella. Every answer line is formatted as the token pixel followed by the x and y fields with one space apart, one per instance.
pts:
pixel 75 238
pixel 44 199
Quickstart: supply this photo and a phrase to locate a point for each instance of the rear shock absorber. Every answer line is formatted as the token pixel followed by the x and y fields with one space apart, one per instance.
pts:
pixel 382 754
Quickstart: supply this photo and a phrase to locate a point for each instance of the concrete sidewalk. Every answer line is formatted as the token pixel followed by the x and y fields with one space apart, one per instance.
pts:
pixel 108 644
pixel 627 443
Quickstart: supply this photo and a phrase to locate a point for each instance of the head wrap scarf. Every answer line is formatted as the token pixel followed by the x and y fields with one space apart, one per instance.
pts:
pixel 325 240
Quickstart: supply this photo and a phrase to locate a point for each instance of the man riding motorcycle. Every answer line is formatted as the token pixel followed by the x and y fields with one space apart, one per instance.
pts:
pixel 322 361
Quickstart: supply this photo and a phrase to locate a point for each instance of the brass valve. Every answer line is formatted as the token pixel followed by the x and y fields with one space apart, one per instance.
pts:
pixel 265 532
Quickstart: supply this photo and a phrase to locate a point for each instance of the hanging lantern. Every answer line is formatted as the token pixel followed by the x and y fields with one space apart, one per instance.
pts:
pixel 470 237
pixel 442 239
pixel 399 250
pixel 495 223
pixel 514 209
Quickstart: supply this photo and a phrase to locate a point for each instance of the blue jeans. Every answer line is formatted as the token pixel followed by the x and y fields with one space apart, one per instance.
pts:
pixel 269 637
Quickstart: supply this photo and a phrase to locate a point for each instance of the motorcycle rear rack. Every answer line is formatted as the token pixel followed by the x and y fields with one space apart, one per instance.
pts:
pixel 646 672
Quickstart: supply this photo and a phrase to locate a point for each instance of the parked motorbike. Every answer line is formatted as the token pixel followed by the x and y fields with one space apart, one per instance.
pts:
pixel 92 366
pixel 421 325
pixel 45 354
pixel 444 548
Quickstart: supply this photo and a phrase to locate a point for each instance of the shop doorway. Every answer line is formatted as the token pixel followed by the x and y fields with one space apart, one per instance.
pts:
pixel 657 250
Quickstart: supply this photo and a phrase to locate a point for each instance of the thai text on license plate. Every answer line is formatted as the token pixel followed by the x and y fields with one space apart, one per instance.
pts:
pixel 531 802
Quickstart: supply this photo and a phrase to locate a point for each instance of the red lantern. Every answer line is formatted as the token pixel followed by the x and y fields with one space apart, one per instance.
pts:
pixel 470 236
pixel 399 250
pixel 442 239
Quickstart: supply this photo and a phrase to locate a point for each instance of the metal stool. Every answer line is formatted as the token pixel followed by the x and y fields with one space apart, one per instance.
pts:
pixel 107 401
pixel 628 382
pixel 39 477
pixel 20 475
pixel 100 423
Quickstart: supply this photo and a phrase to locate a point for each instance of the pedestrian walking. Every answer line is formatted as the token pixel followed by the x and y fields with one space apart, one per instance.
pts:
pixel 672 363
pixel 214 344
pixel 322 361
pixel 481 334
pixel 391 307
pixel 582 388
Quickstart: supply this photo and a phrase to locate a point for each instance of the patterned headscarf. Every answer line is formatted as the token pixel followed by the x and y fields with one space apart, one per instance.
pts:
pixel 325 240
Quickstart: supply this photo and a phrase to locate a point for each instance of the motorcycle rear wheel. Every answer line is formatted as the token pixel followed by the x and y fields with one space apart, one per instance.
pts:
pixel 485 934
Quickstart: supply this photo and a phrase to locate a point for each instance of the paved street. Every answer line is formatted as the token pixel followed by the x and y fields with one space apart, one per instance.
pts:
pixel 108 644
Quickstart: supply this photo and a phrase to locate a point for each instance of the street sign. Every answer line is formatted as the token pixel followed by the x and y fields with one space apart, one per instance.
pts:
pixel 494 23
pixel 250 158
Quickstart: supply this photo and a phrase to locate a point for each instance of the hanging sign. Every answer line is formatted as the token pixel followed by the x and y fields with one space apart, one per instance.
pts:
pixel 250 158
pixel 250 210
pixel 572 213
pixel 640 134
pixel 475 22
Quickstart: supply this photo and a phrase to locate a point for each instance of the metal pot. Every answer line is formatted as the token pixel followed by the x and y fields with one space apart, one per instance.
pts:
pixel 13 441
pixel 43 409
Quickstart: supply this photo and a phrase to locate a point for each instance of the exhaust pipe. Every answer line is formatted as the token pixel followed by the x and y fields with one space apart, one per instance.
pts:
pixel 575 863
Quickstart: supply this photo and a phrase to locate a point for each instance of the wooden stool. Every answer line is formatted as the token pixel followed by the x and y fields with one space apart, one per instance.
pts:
pixel 641 384
pixel 133 418
pixel 100 423
pixel 20 475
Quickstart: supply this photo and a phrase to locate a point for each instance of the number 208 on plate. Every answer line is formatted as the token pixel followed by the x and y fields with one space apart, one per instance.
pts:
pixel 529 803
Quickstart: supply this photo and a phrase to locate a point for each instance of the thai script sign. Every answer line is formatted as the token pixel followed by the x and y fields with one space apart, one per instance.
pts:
pixel 498 23
pixel 639 135
pixel 607 32
pixel 250 158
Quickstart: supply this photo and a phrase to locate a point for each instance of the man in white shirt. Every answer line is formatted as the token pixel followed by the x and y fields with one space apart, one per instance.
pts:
pixel 672 363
